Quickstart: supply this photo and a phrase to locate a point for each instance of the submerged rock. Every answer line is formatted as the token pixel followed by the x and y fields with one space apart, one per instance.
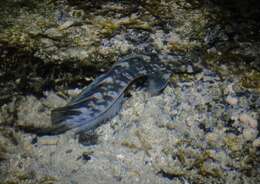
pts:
pixel 250 134
pixel 201 129
pixel 231 100
pixel 256 143
pixel 248 120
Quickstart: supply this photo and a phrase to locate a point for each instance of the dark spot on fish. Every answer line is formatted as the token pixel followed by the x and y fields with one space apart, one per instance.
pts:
pixel 88 110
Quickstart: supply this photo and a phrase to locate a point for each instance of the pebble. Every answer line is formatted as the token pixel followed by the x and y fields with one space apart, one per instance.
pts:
pixel 78 53
pixel 231 100
pixel 248 120
pixel 212 137
pixel 250 134
pixel 74 92
pixel 256 143
pixel 35 31
pixel 48 140
pixel 53 33
pixel 66 24
pixel 46 42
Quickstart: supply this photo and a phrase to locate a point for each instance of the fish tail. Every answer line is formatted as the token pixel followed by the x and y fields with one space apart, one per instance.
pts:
pixel 59 117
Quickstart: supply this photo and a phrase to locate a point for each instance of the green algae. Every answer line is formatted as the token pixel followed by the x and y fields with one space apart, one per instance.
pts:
pixel 28 178
pixel 201 158
pixel 179 47
pixel 156 8
pixel 236 63
pixel 213 171
pixel 251 80
pixel 196 171
pixel 144 143
pixel 10 144
pixel 109 27
pixel 18 27
pixel 181 156
pixel 173 171
pixel 228 64
pixel 3 151
pixel 129 144
pixel 203 163
pixel 48 180
pixel 234 144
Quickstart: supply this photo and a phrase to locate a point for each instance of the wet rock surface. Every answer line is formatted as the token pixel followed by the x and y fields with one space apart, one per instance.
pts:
pixel 188 133
pixel 203 128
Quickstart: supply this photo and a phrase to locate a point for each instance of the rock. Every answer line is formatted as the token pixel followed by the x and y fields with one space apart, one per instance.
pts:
pixel 48 140
pixel 231 100
pixel 250 134
pixel 46 42
pixel 248 120
pixel 233 142
pixel 159 139
pixel 53 33
pixel 256 143
pixel 137 36
pixel 32 114
pixel 66 24
pixel 74 92
pixel 212 138
pixel 52 100
pixel 74 52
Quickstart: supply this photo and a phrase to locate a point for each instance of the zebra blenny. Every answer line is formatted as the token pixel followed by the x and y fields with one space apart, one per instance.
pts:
pixel 102 99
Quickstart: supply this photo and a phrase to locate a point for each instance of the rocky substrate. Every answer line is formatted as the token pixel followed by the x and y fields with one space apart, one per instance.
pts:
pixel 202 128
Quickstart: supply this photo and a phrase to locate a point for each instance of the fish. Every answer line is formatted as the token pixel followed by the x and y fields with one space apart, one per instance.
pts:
pixel 103 98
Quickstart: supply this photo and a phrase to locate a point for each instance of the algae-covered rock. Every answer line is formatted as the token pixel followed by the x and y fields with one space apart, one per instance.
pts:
pixel 203 128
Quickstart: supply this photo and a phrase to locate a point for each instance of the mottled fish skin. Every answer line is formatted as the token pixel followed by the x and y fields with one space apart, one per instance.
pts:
pixel 102 99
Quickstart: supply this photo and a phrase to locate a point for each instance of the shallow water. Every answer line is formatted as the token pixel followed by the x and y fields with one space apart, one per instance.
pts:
pixel 203 128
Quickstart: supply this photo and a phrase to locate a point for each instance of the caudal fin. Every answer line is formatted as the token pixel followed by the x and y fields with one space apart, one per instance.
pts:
pixel 59 117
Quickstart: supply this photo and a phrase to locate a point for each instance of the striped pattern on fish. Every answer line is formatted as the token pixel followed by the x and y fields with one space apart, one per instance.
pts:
pixel 103 98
